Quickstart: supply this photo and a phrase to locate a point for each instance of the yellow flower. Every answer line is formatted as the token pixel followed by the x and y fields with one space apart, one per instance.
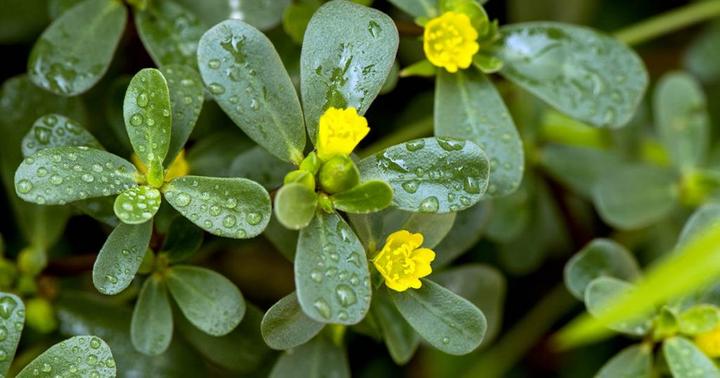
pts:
pixel 178 168
pixel 709 342
pixel 340 131
pixel 402 262
pixel 450 41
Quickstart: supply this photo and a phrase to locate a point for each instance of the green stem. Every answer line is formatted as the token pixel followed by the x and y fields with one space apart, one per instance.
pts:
pixel 669 22
pixel 496 361
pixel 421 128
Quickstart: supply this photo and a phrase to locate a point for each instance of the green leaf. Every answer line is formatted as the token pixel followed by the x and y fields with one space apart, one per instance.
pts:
pixel 148 116
pixel 68 60
pixel 466 231
pixel 602 291
pixel 682 119
pixel 446 321
pixel 230 207
pixel 183 239
pixel 207 299
pixel 482 285
pixel 467 106
pixel 260 166
pixel 686 360
pixel 120 257
pixel 599 258
pixel 578 168
pixel 261 14
pixel 634 361
pixel 331 272
pixel 431 175
pixel 368 197
pixel 347 54
pixel 137 204
pixel 587 75
pixel 12 321
pixel 169 32
pixel 83 356
pixel 418 8
pixel 245 75
pixel 635 196
pixel 64 174
pixel 703 218
pixel 295 205
pixel 698 319
pixel 186 100
pixel 151 328
pixel 400 338
pixel 56 130
pixel 286 326
pixel 315 359
pixel 703 52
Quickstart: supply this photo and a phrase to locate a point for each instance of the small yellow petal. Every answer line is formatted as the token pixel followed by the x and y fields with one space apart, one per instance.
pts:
pixel 449 41
pixel 339 132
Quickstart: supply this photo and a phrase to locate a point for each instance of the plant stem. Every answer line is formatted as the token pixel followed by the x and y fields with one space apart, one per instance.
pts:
pixel 669 22
pixel 421 128
pixel 526 333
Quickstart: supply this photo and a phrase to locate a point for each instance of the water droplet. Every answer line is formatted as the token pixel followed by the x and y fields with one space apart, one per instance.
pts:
pixel 142 100
pixel 94 343
pixel 374 28
pixel 345 295
pixel 254 104
pixel 231 203
pixel 216 89
pixel 316 276
pixel 7 306
pixel 24 186
pixel 136 119
pixel 429 205
pixel 88 178
pixel 415 145
pixel 150 122
pixel 354 259
pixel 322 307
pixel 166 113
pixel 42 172
pixel 46 368
pixel 3 333
pixel 471 185
pixel 342 315
pixel 229 221
pixel 410 186
pixel 445 340
pixel 92 359
pixel 182 199
pixel 450 144
pixel 214 64
pixel 40 200
pixel 110 363
pixel 215 210
pixel 112 279
pixel 254 218
pixel 97 168
pixel 3 355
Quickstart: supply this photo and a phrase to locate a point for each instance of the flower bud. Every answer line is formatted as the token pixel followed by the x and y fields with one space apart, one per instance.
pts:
pixel 301 177
pixel 31 261
pixel 40 316
pixel 338 175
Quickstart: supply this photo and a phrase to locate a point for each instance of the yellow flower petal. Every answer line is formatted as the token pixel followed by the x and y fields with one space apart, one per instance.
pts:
pixel 449 41
pixel 339 132
pixel 709 342
pixel 402 263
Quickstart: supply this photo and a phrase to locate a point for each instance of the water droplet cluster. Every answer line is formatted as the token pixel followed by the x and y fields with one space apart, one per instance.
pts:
pixel 55 130
pixel 137 205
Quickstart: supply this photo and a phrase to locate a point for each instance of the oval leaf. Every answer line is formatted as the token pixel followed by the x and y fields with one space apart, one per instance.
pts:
pixel 600 258
pixel 84 356
pixel 207 299
pixel 347 55
pixel 368 197
pixel 148 116
pixel 331 272
pixel 245 75
pixel 169 32
pixel 56 130
pixel 578 168
pixel 286 326
pixel 431 175
pixel 67 59
pixel 316 359
pixel 137 204
pixel 587 75
pixel 151 328
pixel 229 207
pixel 186 99
pixel 467 106
pixel 295 205
pixel 602 291
pixel 12 321
pixel 120 257
pixel 699 319
pixel 400 338
pixel 445 320
pixel 686 360
pixel 55 176
pixel 632 362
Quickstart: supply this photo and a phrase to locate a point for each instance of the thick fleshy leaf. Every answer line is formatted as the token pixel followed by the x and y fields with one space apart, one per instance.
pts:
pixel 578 168
pixel 706 216
pixel 347 54
pixel 368 197
pixel 418 8
pixel 68 60
pixel 183 239
pixel 467 106
pixel 703 52
pixel 295 205
pixel 137 204
pixel 636 196
pixel 587 75
pixel 632 362
pixel 151 328
pixel 445 320
pixel 230 207
pixel 400 338
pixel 682 119
pixel 286 326
pixel 431 175
pixel 698 319
pixel 318 358
pixel 331 272
pixel 259 165
pixel 169 32
pixel 600 258
pixel 207 299
pixel 466 231
pixel 148 116
pixel 601 291
pixel 64 174
pixel 186 100
pixel 56 130
pixel 686 360
pixel 83 356
pixel 120 257
pixel 245 75
pixel 12 321
pixel 262 14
